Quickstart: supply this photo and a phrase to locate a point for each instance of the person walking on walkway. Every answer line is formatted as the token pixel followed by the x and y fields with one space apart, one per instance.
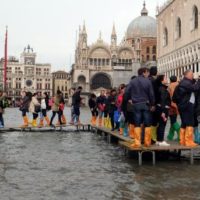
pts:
pixel 173 111
pixel 184 97
pixel 143 100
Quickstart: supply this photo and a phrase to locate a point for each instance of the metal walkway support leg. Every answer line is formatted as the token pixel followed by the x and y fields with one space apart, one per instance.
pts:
pixel 140 158
pixel 191 156
pixel 154 158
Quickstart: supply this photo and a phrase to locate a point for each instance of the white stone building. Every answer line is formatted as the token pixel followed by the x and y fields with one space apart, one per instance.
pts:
pixel 179 37
pixel 26 74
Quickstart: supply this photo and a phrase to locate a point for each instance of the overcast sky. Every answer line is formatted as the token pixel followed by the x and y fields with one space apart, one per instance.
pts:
pixel 50 26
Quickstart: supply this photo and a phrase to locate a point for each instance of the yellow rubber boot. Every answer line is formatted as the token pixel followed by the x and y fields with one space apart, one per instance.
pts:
pixel 131 131
pixel 47 120
pixel 182 136
pixel 34 123
pixel 137 140
pixel 189 137
pixel 95 121
pixel 147 137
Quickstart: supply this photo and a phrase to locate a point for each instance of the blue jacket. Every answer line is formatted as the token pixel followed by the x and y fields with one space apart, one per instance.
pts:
pixel 140 90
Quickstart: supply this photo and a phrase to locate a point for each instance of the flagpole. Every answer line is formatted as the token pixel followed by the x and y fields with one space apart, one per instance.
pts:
pixel 5 59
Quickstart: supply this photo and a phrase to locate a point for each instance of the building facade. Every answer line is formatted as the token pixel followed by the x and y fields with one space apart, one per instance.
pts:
pixel 179 37
pixel 26 74
pixel 105 65
pixel 60 82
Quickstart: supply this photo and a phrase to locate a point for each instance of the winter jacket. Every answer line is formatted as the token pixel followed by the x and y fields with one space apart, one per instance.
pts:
pixel 76 99
pixel 141 91
pixel 56 103
pixel 25 103
pixel 164 100
pixel 173 108
pixel 112 104
pixel 43 104
pixel 186 88
pixel 34 102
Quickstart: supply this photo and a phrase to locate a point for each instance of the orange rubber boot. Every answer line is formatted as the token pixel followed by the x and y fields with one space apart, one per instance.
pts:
pixel 189 137
pixel 182 136
pixel 137 141
pixel 131 131
pixel 147 137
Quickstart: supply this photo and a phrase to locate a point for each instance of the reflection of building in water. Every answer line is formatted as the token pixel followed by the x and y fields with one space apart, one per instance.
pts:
pixel 179 37
pixel 27 75
pixel 102 65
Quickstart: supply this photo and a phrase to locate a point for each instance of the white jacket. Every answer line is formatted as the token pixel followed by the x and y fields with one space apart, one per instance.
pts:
pixel 43 104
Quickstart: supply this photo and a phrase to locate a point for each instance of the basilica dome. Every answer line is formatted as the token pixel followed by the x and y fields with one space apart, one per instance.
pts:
pixel 142 26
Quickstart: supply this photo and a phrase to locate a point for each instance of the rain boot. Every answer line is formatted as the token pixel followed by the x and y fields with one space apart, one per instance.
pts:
pixel 177 128
pixel 25 119
pixel 93 120
pixel 182 136
pixel 154 133
pixel 47 120
pixel 171 134
pixel 137 141
pixel 64 121
pixel 100 121
pixel 147 137
pixel 131 131
pixel 34 123
pixel 189 137
pixel 41 123
pixel 121 130
pixel 125 131
pixel 196 134
pixel 105 122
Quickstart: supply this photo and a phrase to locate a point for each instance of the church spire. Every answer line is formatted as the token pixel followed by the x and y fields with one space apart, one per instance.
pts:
pixel 113 37
pixel 144 11
pixel 113 30
pixel 84 28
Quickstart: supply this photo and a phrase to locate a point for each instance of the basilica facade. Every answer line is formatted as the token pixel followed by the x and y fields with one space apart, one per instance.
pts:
pixel 104 65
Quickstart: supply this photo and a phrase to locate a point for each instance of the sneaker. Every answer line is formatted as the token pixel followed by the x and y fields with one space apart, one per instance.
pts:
pixel 164 144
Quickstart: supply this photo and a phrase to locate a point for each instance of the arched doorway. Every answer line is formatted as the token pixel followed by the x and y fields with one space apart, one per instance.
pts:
pixel 100 80
pixel 82 82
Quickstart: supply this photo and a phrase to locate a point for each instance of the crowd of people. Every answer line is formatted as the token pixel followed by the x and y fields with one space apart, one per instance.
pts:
pixel 140 109
pixel 39 106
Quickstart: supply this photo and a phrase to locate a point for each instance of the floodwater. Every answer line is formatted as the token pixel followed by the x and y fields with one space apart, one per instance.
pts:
pixel 81 166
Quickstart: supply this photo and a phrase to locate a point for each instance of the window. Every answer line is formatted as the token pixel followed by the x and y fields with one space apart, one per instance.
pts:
pixel 147 50
pixel 178 28
pixel 147 57
pixel 154 50
pixel 195 17
pixel 154 58
pixel 165 37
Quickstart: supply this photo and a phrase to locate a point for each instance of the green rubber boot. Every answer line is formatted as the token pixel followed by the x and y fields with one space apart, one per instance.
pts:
pixel 177 128
pixel 171 134
pixel 154 133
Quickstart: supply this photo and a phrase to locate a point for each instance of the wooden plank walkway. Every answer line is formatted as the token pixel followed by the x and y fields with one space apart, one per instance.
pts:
pixel 63 128
pixel 125 143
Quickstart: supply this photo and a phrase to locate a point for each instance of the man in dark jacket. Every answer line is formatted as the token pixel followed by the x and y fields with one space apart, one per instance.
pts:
pixel 76 103
pixel 186 103
pixel 143 100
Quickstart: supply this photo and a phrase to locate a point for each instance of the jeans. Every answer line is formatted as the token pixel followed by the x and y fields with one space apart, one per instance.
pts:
pixel 187 115
pixel 1 119
pixel 59 117
pixel 161 123
pixel 142 115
